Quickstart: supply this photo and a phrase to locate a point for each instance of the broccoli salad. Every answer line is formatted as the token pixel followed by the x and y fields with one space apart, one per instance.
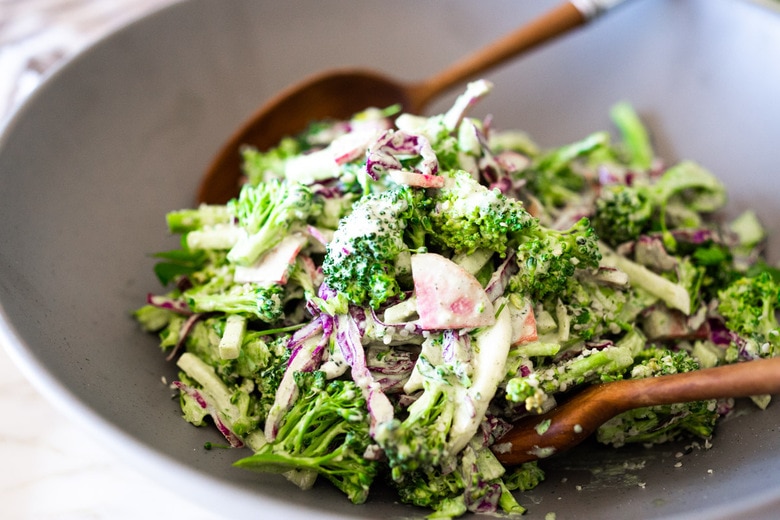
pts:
pixel 387 294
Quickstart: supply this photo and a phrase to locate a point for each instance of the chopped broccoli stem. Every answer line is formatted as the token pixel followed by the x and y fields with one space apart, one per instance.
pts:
pixel 204 216
pixel 261 302
pixel 233 336
pixel 676 296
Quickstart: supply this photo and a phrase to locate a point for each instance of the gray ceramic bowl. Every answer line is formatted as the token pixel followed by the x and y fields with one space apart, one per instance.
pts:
pixel 120 135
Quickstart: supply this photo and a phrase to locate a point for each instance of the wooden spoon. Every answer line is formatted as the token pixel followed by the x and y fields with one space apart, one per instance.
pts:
pixel 342 93
pixel 573 421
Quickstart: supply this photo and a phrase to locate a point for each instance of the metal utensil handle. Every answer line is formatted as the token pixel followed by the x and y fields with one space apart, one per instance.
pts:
pixel 591 9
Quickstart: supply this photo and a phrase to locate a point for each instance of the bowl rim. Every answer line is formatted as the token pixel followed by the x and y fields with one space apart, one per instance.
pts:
pixel 157 465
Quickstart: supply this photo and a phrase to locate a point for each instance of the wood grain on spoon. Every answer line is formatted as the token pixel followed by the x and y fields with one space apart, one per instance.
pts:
pixel 342 93
pixel 576 419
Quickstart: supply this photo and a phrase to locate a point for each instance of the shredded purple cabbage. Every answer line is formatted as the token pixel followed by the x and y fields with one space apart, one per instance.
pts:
pixel 185 331
pixel 480 496
pixel 177 305
pixel 233 439
pixel 348 339
pixel 381 155
pixel 320 325
pixel 392 370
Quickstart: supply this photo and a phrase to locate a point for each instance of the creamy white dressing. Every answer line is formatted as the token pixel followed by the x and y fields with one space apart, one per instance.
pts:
pixel 364 220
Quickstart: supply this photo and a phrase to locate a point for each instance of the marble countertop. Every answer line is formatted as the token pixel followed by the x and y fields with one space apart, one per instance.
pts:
pixel 52 468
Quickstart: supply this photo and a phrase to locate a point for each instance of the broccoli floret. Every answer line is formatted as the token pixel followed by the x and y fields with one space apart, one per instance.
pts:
pixel 749 306
pixel 467 487
pixel 258 352
pixel 270 377
pixel 468 216
pixel 593 307
pixel 525 477
pixel 675 200
pixel 622 213
pixel 717 263
pixel 326 430
pixel 429 488
pixel 549 257
pixel 267 213
pixel 364 259
pixel 258 301
pixel 206 285
pixel 657 424
pixel 420 441
pixel 262 360
pixel 475 483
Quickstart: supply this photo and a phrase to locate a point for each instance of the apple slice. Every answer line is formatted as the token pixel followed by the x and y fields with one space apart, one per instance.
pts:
pixel 415 179
pixel 448 296
pixel 274 266
pixel 523 323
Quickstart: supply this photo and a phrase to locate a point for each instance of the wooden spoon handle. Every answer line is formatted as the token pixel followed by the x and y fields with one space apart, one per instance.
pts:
pixel 735 380
pixel 556 22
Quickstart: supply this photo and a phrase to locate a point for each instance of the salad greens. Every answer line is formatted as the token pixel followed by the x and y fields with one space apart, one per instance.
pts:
pixel 388 294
